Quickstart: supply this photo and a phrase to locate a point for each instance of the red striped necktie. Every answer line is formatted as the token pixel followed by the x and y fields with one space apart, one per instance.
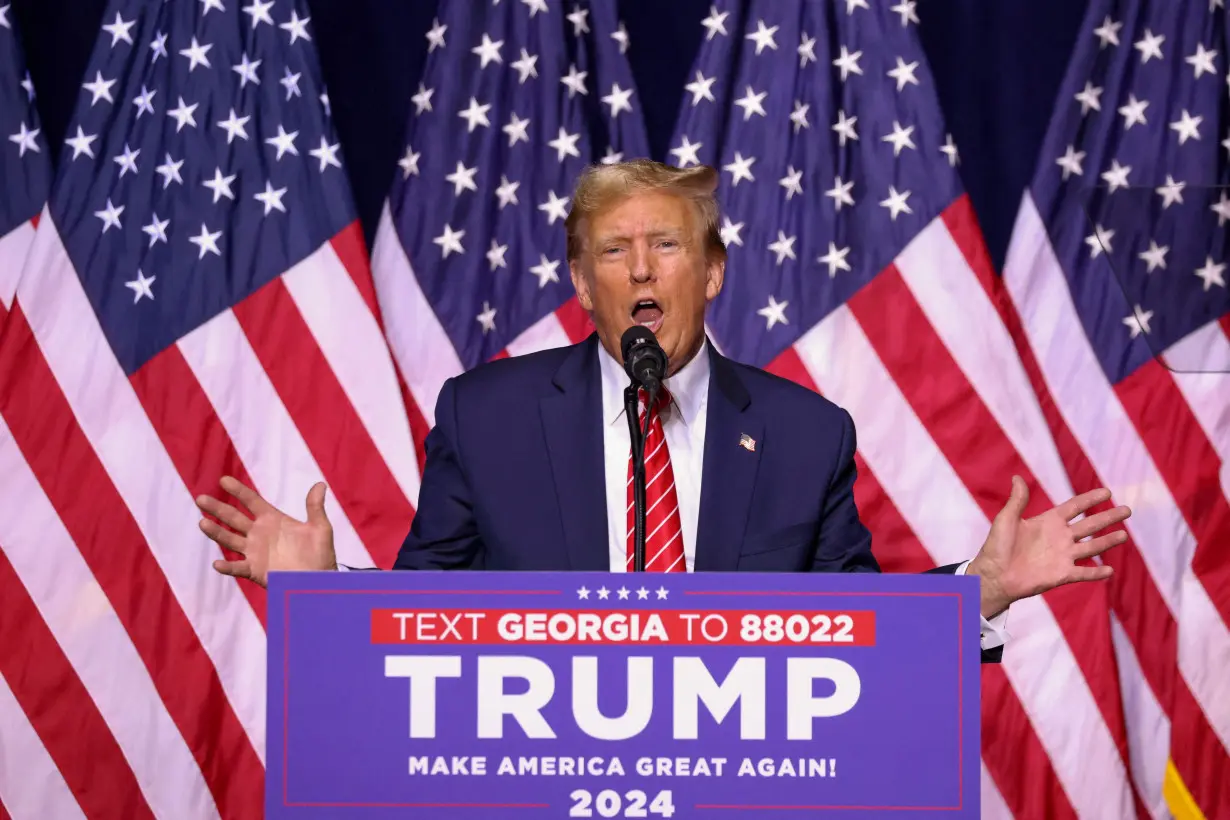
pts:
pixel 663 530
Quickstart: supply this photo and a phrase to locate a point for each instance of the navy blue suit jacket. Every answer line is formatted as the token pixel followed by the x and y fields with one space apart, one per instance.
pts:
pixel 514 476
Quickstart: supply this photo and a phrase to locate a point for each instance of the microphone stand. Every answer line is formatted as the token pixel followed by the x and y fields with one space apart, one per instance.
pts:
pixel 637 436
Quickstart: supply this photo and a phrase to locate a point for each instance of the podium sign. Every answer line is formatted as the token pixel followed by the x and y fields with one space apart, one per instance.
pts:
pixel 556 695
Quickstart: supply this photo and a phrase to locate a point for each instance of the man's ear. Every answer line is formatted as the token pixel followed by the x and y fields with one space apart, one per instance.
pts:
pixel 715 275
pixel 580 284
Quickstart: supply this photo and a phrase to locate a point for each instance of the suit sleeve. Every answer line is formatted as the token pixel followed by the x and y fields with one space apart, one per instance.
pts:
pixel 444 534
pixel 844 543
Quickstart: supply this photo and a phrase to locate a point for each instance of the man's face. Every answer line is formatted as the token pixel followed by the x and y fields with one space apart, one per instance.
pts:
pixel 644 263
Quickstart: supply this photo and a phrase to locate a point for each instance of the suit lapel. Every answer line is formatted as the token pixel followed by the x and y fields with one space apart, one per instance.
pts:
pixel 572 426
pixel 729 472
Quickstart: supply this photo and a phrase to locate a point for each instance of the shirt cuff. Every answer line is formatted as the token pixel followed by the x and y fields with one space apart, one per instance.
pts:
pixel 994 632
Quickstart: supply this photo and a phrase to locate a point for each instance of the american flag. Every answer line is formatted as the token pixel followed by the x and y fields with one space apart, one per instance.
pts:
pixel 196 302
pixel 857 268
pixel 469 260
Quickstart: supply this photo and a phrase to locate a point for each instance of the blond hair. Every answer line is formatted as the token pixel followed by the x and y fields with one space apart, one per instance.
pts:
pixel 600 186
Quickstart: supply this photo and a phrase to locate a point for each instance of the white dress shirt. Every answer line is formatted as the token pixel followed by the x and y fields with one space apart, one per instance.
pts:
pixel 683 424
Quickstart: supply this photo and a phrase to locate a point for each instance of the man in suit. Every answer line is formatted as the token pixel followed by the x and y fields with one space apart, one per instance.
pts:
pixel 528 465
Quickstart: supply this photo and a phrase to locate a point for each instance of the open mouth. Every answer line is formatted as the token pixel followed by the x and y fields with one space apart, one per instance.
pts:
pixel 647 313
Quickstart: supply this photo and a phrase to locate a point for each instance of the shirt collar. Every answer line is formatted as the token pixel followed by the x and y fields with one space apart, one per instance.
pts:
pixel 688 387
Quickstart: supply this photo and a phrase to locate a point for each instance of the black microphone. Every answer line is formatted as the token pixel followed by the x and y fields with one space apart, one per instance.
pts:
pixel 644 359
pixel 645 363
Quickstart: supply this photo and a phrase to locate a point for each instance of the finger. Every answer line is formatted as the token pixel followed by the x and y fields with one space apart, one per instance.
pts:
pixel 1107 518
pixel 246 495
pixel 1099 545
pixel 235 569
pixel 1078 504
pixel 316 504
pixel 225 513
pixel 1095 573
pixel 1018 499
pixel 216 532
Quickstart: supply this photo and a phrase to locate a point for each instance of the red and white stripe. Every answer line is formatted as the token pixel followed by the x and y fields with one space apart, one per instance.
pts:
pixel 154 659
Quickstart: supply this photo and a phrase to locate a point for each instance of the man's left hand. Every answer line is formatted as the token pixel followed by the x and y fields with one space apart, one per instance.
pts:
pixel 1023 557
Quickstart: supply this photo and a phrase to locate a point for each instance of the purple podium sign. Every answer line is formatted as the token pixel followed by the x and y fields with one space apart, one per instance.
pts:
pixel 556 695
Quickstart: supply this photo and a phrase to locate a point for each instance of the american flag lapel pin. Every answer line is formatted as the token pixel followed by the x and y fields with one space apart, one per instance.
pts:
pixel 747 442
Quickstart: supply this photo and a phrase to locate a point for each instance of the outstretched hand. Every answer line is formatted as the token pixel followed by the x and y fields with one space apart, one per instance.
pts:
pixel 1023 557
pixel 269 540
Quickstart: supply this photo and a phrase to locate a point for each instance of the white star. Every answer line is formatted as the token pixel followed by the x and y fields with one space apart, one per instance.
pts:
pixel 110 216
pixel 896 202
pixel 906 9
pixel 1133 112
pixel 28 85
pixel 900 138
pixel 81 143
pixel 806 50
pixel 211 4
pixel 296 27
pixel 517 130
pixel 799 116
pixel 774 313
pixel 1149 46
pixel 751 103
pixel 1202 61
pixel 740 168
pixel 582 593
pixel 701 88
pixel 327 154
pixel 851 5
pixel 159 46
pixel 949 149
pixel 488 51
pixel 1155 257
pixel 715 23
pixel 840 192
pixel 623 593
pixel 450 241
pixel 845 128
pixel 1099 241
pixel 207 242
pixel 4 17
pixel 1211 274
pixel 619 100
pixel 686 153
pixel 730 232
pixel 848 63
pixel 545 271
pixel 271 198
pixel 1071 162
pixel 763 37
pixel 904 73
pixel 487 318
pixel 183 115
pixel 536 6
pixel 127 160
pixel 475 115
pixel 220 185
pixel 156 230
pixel 247 71
pixel 463 179
pixel 234 127
pixel 612 157
pixel 1171 192
pixel 1108 33
pixel 578 20
pixel 291 83
pixel 1222 209
pixel 620 35
pixel 642 593
pixel 1138 322
pixel 835 258
pixel 284 142
pixel 495 256
pixel 783 247
pixel 555 207
pixel 526 66
pixel 422 100
pixel 119 30
pixel 144 101
pixel 259 12
pixel 196 54
pixel 409 163
pixel 1090 97
pixel 141 286
pixel 100 88
pixel 170 172
pixel 26 140
pixel 1187 126
pixel 436 36
pixel 792 182
pixel 1117 176
pixel 662 593
pixel 575 80
pixel 565 144
pixel 507 192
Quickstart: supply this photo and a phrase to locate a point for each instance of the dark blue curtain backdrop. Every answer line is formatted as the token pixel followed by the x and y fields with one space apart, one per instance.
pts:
pixel 997 64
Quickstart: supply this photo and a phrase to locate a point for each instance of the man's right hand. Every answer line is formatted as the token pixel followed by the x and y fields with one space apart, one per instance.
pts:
pixel 270 539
